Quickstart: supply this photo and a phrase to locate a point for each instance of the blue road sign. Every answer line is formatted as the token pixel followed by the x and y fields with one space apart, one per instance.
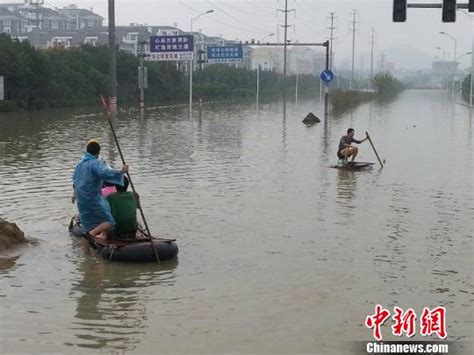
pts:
pixel 231 52
pixel 171 44
pixel 327 76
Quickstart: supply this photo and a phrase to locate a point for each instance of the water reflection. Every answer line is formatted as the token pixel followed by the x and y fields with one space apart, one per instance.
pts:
pixel 326 135
pixel 283 127
pixel 113 302
pixel 7 263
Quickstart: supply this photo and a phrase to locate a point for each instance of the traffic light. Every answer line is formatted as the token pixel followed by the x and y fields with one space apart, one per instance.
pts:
pixel 471 6
pixel 449 10
pixel 400 10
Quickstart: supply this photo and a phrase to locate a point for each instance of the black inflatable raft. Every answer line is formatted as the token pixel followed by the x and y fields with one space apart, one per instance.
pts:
pixel 138 249
pixel 353 166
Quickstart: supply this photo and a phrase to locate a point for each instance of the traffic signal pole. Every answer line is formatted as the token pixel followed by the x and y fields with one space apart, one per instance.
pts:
pixel 448 7
pixel 323 44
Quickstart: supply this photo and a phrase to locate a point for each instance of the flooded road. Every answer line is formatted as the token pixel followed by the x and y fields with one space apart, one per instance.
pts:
pixel 279 253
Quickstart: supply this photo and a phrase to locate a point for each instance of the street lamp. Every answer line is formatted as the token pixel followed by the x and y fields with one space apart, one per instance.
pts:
pixel 191 62
pixel 198 16
pixel 266 36
pixel 453 39
pixel 462 55
pixel 454 57
pixel 444 52
pixel 446 55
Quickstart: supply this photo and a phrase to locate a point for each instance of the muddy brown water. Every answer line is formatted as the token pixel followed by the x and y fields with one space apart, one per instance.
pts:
pixel 278 252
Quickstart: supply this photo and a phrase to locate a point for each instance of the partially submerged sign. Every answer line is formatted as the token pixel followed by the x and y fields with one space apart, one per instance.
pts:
pixel 311 119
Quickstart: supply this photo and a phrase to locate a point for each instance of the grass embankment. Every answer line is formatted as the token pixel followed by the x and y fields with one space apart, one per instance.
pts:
pixel 344 100
pixel 385 85
pixel 59 77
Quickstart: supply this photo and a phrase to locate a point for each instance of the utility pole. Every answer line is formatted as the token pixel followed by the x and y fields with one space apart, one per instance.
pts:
pixel 331 40
pixel 354 23
pixel 285 35
pixel 112 59
pixel 372 41
pixel 326 90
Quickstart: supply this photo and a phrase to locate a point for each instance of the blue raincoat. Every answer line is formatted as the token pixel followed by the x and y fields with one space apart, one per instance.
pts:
pixel 88 179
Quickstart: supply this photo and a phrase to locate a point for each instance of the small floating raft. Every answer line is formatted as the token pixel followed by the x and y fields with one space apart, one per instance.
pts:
pixel 137 250
pixel 360 165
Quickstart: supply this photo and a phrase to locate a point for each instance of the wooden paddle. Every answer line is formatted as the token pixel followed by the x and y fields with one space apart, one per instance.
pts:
pixel 375 151
pixel 107 111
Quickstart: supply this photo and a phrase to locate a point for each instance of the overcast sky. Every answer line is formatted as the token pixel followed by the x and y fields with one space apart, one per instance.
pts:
pixel 246 19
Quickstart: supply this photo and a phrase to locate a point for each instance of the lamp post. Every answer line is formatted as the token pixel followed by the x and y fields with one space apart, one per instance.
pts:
pixel 453 39
pixel 454 70
pixel 445 53
pixel 271 50
pixel 191 62
pixel 457 62
pixel 266 36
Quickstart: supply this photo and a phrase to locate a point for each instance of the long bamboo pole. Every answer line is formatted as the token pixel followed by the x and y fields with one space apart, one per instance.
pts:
pixel 375 151
pixel 107 111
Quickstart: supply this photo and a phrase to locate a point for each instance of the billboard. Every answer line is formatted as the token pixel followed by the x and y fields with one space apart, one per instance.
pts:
pixel 172 47
pixel 223 54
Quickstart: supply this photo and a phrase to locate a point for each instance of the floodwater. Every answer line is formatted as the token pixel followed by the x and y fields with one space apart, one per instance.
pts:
pixel 279 253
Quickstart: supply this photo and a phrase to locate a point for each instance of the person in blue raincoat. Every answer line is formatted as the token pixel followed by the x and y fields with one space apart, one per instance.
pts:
pixel 88 178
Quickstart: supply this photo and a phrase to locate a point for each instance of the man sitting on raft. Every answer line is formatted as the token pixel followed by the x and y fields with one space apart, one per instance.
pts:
pixel 88 178
pixel 346 150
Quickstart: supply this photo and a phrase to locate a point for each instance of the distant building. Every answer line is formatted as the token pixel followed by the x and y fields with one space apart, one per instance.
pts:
pixel 268 58
pixel 301 60
pixel 442 72
pixel 11 23
pixel 78 19
pixel 20 18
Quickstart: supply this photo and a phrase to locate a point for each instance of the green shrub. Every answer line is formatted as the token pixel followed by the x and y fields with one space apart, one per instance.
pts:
pixel 6 106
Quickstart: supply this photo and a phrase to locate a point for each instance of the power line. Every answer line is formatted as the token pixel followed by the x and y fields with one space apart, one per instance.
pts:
pixel 213 19
pixel 251 3
pixel 188 6
pixel 245 12
pixel 235 18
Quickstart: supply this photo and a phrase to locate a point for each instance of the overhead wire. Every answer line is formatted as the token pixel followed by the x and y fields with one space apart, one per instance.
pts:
pixel 255 28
